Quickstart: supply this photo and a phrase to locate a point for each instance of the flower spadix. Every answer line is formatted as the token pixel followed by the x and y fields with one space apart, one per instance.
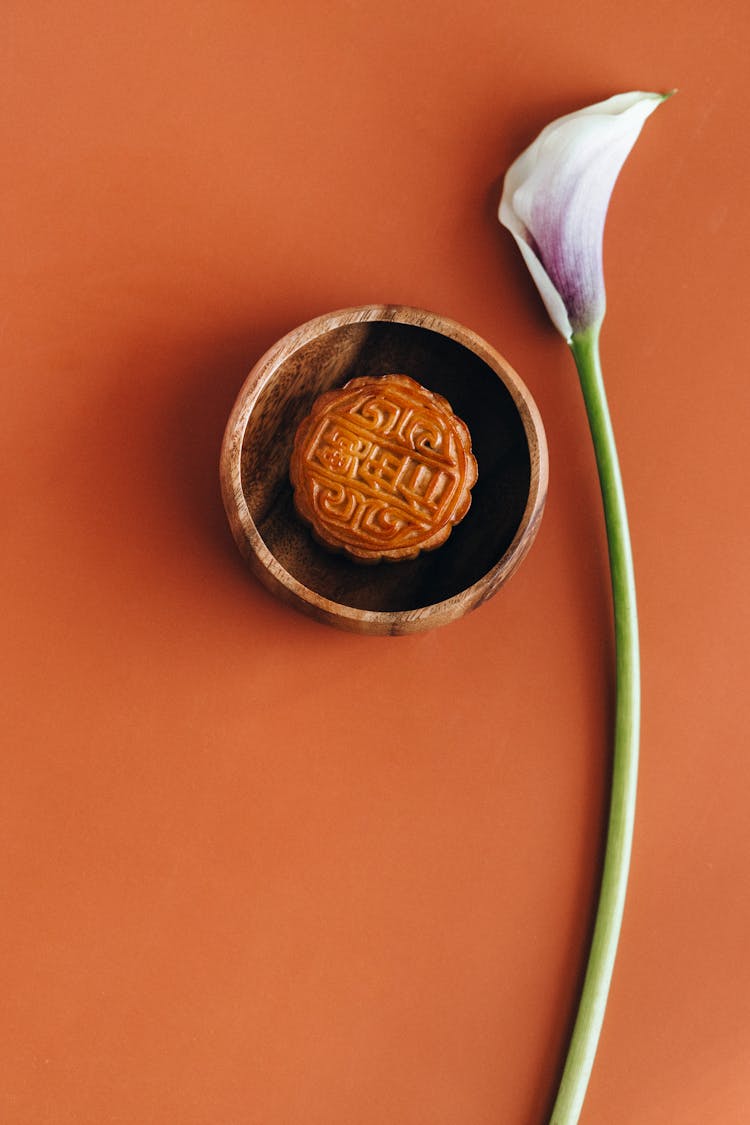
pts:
pixel 555 199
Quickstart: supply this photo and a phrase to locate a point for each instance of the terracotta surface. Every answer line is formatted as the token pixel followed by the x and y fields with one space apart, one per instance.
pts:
pixel 258 871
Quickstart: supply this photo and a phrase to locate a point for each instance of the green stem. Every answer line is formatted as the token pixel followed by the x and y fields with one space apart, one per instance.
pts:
pixel 585 1038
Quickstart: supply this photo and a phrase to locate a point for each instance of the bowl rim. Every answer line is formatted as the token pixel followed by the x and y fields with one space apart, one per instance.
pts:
pixel 265 564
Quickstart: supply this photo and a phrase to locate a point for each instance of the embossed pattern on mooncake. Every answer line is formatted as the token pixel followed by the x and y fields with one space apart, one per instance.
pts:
pixel 382 469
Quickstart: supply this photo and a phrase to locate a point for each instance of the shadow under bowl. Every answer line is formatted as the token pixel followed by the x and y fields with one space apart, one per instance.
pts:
pixel 507 439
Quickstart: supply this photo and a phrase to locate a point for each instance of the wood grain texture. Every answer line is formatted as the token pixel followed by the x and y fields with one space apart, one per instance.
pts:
pixel 508 441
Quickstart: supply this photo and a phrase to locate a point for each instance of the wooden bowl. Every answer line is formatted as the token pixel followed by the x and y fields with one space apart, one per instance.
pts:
pixel 507 500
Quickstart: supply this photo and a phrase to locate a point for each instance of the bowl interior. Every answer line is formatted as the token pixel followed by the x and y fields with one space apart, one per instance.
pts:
pixel 476 394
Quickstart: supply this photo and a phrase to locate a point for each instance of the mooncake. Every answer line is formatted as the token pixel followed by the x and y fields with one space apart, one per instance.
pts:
pixel 382 469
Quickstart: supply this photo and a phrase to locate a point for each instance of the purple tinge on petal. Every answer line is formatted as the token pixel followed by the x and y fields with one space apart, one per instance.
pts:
pixel 558 194
pixel 567 221
pixel 574 265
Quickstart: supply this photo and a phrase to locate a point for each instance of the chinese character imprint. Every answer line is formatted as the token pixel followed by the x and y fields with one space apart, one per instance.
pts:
pixel 382 469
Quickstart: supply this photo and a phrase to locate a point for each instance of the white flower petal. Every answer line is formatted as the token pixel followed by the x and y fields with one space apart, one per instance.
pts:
pixel 555 200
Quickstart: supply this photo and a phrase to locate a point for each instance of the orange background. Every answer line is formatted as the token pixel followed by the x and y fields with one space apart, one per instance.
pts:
pixel 258 871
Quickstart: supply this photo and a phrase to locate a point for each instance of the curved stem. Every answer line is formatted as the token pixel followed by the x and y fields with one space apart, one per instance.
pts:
pixel 585 1038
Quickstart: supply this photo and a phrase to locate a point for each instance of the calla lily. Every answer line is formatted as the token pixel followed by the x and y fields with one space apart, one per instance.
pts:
pixel 555 200
pixel 554 203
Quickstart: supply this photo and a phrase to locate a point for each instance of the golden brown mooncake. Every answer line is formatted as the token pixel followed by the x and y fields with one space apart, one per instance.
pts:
pixel 382 469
